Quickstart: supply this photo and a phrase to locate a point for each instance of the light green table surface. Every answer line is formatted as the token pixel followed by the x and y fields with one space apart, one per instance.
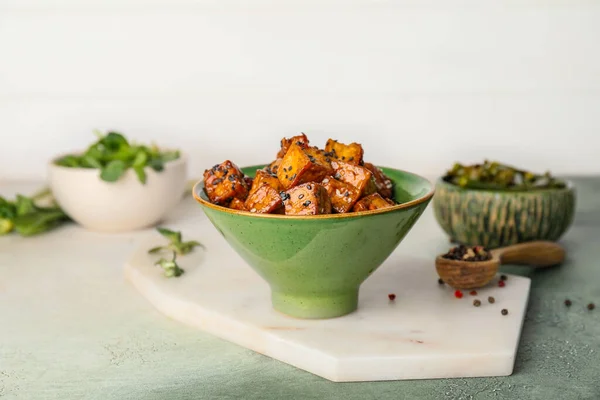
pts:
pixel 71 327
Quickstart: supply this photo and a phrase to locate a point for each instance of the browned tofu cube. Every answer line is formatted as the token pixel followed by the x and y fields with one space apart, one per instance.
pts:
pixel 263 200
pixel 307 199
pixel 303 165
pixel 224 182
pixel 237 204
pixel 383 183
pixel 300 140
pixel 263 177
pixel 351 153
pixel 355 175
pixel 342 194
pixel 273 167
pixel 372 202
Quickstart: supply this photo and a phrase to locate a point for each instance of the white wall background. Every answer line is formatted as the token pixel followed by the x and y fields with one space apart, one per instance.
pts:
pixel 421 83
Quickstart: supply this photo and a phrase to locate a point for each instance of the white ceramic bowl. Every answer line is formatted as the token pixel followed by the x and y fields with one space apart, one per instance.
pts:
pixel 124 205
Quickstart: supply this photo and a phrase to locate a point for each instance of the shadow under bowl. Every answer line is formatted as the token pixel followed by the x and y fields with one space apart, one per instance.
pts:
pixel 315 265
pixel 497 218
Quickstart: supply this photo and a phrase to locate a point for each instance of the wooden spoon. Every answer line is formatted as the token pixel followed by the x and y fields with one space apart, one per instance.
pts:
pixel 475 274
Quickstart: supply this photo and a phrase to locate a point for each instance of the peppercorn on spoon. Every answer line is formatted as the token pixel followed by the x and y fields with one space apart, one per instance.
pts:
pixel 475 274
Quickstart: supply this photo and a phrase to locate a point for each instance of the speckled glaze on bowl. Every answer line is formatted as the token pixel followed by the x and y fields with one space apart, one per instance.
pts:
pixel 316 264
pixel 495 218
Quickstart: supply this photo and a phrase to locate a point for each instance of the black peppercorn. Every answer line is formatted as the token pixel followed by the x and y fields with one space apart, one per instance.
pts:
pixel 503 277
pixel 440 281
pixel 309 187
pixel 591 306
pixel 491 300
pixel 504 311
pixel 476 303
pixel 306 203
pixel 568 303
pixel 301 196
pixel 231 178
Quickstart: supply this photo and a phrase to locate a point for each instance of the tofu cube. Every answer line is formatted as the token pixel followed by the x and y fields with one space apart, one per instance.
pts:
pixel 263 200
pixel 342 194
pixel 355 175
pixel 224 182
pixel 300 140
pixel 372 202
pixel 307 199
pixel 302 165
pixel 351 153
pixel 382 182
pixel 263 177
pixel 237 204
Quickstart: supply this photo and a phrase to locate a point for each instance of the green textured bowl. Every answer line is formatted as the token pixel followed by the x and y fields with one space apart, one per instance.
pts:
pixel 496 218
pixel 316 264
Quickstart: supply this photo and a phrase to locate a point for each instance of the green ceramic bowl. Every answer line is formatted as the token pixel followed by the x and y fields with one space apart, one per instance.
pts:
pixel 496 218
pixel 315 264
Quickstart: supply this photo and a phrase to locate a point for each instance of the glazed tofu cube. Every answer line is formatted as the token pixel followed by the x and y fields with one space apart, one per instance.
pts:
pixel 342 194
pixel 300 140
pixel 263 177
pixel 273 167
pixel 248 181
pixel 351 153
pixel 263 200
pixel 224 182
pixel 237 204
pixel 303 165
pixel 383 183
pixel 372 202
pixel 355 175
pixel 307 199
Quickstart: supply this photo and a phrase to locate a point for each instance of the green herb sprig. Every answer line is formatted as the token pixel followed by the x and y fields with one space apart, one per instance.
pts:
pixel 176 244
pixel 27 218
pixel 170 266
pixel 113 155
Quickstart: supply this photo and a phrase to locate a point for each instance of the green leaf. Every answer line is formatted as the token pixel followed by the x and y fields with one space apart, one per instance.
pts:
pixel 157 249
pixel 187 247
pixel 91 162
pixel 68 161
pixel 7 209
pixel 170 267
pixel 24 205
pixel 156 164
pixel 40 221
pixel 169 156
pixel 140 158
pixel 172 236
pixel 113 171
pixel 114 141
pixel 141 174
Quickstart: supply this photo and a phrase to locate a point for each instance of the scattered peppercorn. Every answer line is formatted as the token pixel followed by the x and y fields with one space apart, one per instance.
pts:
pixel 476 303
pixel 440 281
pixel 231 177
pixel 568 303
pixel 501 284
pixel 351 159
pixel 293 177
pixel 300 196
pixel 464 253
pixel 473 292
pixel 458 294
pixel 491 300
pixel 392 296
pixel 591 306
pixel 503 277
pixel 306 203
pixel 504 311
pixel 309 187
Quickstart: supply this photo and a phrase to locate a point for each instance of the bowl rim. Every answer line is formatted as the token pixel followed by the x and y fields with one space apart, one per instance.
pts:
pixel 358 214
pixel 183 158
pixel 570 186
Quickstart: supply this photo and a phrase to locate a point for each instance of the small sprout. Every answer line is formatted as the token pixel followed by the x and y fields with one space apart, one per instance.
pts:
pixel 175 243
pixel 170 267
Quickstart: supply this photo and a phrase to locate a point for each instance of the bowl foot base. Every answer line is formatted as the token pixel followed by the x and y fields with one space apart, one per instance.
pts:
pixel 315 306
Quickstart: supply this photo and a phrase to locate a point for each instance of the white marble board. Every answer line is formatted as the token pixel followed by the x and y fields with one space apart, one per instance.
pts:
pixel 424 333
